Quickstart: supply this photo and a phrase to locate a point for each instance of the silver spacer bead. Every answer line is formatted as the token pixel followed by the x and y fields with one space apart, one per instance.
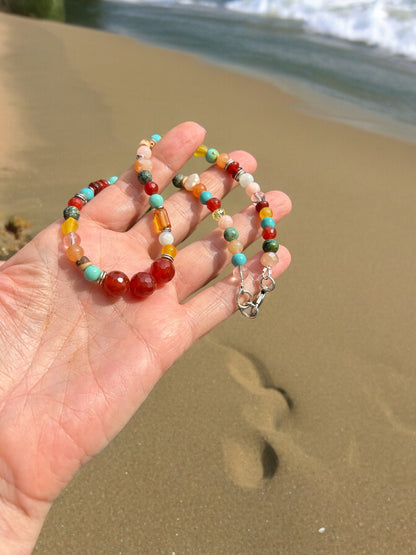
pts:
pixel 168 256
pixel 101 278
pixel 228 163
pixel 166 229
pixel 82 197
pixel 239 174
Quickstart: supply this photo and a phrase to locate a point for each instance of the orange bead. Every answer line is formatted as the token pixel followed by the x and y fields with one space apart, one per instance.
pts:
pixel 74 252
pixel 171 250
pixel 266 213
pixel 222 160
pixel 161 219
pixel 235 246
pixel 197 190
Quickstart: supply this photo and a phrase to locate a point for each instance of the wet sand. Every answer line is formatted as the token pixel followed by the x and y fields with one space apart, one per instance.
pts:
pixel 294 433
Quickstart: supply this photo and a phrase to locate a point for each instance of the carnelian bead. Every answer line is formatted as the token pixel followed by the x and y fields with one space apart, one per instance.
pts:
pixel 142 285
pixel 269 233
pixel 266 213
pixel 162 270
pixel 171 250
pixel 222 160
pixel 151 188
pixel 75 201
pixel 74 252
pixel 116 283
pixel 213 204
pixel 262 204
pixel 233 168
pixel 198 189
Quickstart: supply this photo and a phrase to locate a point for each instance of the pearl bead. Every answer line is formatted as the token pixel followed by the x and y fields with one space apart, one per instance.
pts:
pixel 225 221
pixel 166 238
pixel 245 180
pixel 191 181
pixel 252 188
pixel 269 259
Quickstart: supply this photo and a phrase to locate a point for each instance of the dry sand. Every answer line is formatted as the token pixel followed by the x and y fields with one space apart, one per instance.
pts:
pixel 294 433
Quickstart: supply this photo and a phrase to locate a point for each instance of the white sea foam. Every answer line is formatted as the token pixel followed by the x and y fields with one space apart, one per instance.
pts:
pixel 389 24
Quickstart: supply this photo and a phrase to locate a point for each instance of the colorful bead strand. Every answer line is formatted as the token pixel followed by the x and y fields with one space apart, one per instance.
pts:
pixel 116 283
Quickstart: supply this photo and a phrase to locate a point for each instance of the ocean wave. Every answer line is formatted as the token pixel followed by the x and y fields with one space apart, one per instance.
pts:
pixel 389 24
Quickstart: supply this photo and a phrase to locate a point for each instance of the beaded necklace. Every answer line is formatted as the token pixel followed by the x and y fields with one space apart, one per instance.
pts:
pixel 162 270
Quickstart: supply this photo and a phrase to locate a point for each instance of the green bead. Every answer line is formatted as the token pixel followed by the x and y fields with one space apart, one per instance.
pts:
pixel 177 180
pixel 271 245
pixel 230 234
pixel 144 177
pixel 72 212
pixel 92 273
pixel 211 155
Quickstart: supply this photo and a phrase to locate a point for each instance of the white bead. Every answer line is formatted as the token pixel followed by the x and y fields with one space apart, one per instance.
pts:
pixel 191 181
pixel 245 179
pixel 166 238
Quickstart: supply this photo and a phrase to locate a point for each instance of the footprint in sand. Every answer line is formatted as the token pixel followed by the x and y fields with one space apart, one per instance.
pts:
pixel 251 459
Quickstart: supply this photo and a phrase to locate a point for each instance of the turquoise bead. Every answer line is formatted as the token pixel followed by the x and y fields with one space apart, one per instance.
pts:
pixel 230 234
pixel 112 180
pixel 156 137
pixel 205 196
pixel 271 245
pixel 92 273
pixel 211 155
pixel 156 201
pixel 88 193
pixel 239 259
pixel 268 222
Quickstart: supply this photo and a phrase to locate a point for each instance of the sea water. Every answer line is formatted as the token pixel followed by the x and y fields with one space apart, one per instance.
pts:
pixel 358 52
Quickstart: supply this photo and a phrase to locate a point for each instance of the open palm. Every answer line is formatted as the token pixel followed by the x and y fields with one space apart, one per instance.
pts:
pixel 77 364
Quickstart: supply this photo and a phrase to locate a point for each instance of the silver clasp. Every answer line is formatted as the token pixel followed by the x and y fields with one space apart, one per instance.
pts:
pixel 246 302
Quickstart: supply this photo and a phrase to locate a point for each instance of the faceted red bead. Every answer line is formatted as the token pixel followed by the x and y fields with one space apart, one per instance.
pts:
pixel 262 204
pixel 116 283
pixel 103 183
pixel 269 233
pixel 151 188
pixel 233 168
pixel 142 285
pixel 75 201
pixel 213 204
pixel 162 269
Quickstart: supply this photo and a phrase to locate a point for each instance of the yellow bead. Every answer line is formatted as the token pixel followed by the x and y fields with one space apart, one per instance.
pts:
pixel 235 246
pixel 201 151
pixel 171 250
pixel 266 213
pixel 161 219
pixel 69 225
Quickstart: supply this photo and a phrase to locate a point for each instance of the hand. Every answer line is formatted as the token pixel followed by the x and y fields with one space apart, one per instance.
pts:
pixel 77 364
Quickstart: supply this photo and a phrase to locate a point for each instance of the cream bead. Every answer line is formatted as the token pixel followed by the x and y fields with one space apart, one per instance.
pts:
pixel 269 259
pixel 235 246
pixel 191 181
pixel 245 180
pixel 166 238
pixel 252 188
pixel 225 221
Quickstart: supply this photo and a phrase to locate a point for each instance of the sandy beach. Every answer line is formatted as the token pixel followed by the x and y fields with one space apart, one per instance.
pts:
pixel 294 433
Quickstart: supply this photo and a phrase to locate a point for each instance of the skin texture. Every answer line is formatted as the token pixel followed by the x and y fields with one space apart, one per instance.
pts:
pixel 77 364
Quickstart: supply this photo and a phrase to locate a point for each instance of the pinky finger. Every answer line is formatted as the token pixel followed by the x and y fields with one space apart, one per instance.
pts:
pixel 216 303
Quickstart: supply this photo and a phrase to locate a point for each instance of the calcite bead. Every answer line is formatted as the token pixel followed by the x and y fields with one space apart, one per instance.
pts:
pixel 74 252
pixel 116 283
pixel 162 270
pixel 235 246
pixel 142 285
pixel 252 189
pixel 225 221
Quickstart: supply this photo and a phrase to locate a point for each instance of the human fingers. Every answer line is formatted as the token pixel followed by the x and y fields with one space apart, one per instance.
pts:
pixel 200 262
pixel 185 210
pixel 119 206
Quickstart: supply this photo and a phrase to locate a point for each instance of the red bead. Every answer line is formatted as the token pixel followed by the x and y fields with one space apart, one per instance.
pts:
pixel 213 204
pixel 116 283
pixel 262 204
pixel 269 233
pixel 103 183
pixel 142 285
pixel 233 168
pixel 75 201
pixel 162 270
pixel 95 187
pixel 151 188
